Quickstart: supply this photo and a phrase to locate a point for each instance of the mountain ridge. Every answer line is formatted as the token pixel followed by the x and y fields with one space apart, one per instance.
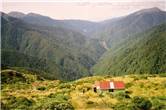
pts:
pixel 73 47
pixel 145 53
pixel 61 47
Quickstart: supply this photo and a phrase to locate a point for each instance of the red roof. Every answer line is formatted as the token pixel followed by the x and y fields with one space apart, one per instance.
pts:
pixel 119 85
pixel 104 85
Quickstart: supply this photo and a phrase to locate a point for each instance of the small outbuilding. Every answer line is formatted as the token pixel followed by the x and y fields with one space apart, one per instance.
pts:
pixel 109 85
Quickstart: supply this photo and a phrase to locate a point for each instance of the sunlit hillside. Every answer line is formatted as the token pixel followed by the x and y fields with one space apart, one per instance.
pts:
pixel 23 89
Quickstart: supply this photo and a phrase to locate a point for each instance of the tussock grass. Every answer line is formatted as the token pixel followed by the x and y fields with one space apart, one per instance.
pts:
pixel 79 94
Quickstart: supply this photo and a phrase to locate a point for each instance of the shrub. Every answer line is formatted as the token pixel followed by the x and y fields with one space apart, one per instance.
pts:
pixel 128 85
pixel 128 92
pixel 19 102
pixel 161 98
pixel 162 74
pixel 141 85
pixel 89 88
pixel 55 105
pixel 157 105
pixel 143 77
pixel 122 95
pixel 90 102
pixel 164 84
pixel 4 106
pixel 11 76
pixel 42 88
pixel 141 103
pixel 135 79
pixel 59 96
pixel 52 95
pixel 66 91
pixel 107 76
pixel 101 95
pixel 121 106
pixel 64 85
pixel 62 106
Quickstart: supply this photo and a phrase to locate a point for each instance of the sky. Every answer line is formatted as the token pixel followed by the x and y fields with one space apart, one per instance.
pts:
pixel 93 10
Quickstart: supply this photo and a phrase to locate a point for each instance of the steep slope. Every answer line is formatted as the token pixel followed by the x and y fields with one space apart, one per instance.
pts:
pixel 65 50
pixel 142 53
pixel 71 47
pixel 45 68
pixel 111 30
pixel 116 30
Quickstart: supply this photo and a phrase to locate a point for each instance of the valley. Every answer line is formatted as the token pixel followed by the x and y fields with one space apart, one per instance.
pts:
pixel 51 64
pixel 62 49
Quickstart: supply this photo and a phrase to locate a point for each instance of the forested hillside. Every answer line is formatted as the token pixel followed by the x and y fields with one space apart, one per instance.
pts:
pixel 116 30
pixel 71 49
pixel 64 53
pixel 142 53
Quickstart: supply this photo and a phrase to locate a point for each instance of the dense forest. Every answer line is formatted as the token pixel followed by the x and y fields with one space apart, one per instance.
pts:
pixel 143 53
pixel 71 49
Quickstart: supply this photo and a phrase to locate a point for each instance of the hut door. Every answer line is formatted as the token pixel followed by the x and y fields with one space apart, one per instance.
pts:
pixel 111 90
pixel 95 90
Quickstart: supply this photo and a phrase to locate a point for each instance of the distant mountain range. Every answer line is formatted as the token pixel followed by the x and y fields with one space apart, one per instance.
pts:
pixel 61 52
pixel 85 27
pixel 68 49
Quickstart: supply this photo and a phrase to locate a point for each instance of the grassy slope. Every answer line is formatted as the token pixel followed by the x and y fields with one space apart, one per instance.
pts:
pixel 47 94
pixel 143 53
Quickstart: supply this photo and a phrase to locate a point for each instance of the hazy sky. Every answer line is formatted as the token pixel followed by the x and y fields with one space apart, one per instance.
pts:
pixel 94 10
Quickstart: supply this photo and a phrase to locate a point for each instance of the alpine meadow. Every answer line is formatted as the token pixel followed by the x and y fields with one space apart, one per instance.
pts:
pixel 53 64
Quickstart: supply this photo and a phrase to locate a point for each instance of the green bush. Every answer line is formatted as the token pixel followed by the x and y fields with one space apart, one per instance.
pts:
pixel 162 74
pixel 59 96
pixel 141 103
pixel 18 103
pixel 122 95
pixel 55 105
pixel 121 106
pixel 62 106
pixel 161 98
pixel 157 104
pixel 11 76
